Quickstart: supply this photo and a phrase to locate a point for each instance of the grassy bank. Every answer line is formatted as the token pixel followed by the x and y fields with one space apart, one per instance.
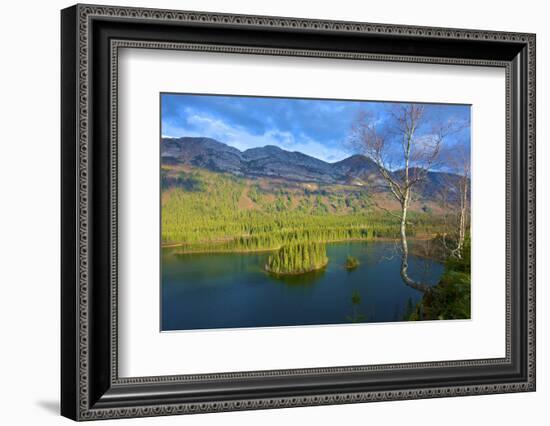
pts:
pixel 451 297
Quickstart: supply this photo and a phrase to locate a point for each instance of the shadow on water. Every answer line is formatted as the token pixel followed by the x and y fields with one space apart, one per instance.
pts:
pixel 231 290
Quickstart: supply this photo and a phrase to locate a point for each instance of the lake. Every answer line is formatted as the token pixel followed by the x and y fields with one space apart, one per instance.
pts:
pixel 230 290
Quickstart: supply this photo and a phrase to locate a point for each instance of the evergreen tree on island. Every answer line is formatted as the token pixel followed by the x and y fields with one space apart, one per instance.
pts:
pixel 297 258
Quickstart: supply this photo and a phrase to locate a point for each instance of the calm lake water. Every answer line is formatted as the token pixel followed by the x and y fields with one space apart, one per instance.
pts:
pixel 201 291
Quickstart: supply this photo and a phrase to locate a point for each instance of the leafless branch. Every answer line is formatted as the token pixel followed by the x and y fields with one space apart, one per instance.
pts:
pixel 420 154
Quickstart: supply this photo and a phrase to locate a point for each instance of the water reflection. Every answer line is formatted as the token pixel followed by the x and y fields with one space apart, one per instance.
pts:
pixel 308 279
pixel 356 316
pixel 201 291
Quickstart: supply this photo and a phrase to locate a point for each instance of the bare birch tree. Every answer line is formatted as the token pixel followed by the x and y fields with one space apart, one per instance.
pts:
pixel 403 168
pixel 456 200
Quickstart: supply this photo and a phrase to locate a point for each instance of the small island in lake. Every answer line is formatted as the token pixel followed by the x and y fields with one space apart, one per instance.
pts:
pixel 298 258
pixel 351 263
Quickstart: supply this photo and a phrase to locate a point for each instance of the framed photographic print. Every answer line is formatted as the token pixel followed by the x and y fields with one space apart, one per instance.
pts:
pixel 263 212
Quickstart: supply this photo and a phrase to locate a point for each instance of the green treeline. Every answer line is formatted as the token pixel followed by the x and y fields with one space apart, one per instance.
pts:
pixel 298 258
pixel 205 212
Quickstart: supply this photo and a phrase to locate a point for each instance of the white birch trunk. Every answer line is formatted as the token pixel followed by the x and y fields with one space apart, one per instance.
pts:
pixel 405 249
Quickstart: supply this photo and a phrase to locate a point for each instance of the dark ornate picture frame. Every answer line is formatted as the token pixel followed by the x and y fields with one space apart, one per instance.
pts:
pixel 90 385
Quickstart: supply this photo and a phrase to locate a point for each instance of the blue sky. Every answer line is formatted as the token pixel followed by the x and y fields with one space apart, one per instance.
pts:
pixel 319 128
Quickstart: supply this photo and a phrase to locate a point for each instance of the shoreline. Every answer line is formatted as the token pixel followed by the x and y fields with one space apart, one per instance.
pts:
pixel 265 250
pixel 293 274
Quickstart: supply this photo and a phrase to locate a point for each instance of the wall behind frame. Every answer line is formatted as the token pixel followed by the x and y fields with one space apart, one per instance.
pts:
pixel 30 225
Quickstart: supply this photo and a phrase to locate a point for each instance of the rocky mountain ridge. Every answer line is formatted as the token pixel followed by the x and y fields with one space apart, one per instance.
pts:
pixel 274 162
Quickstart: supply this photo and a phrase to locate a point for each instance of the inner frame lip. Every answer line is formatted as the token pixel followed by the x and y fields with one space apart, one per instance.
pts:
pixel 116 44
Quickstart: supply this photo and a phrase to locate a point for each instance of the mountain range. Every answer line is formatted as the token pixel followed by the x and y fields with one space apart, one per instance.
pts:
pixel 274 162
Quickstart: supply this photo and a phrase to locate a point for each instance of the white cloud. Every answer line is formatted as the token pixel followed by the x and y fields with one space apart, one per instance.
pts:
pixel 240 138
